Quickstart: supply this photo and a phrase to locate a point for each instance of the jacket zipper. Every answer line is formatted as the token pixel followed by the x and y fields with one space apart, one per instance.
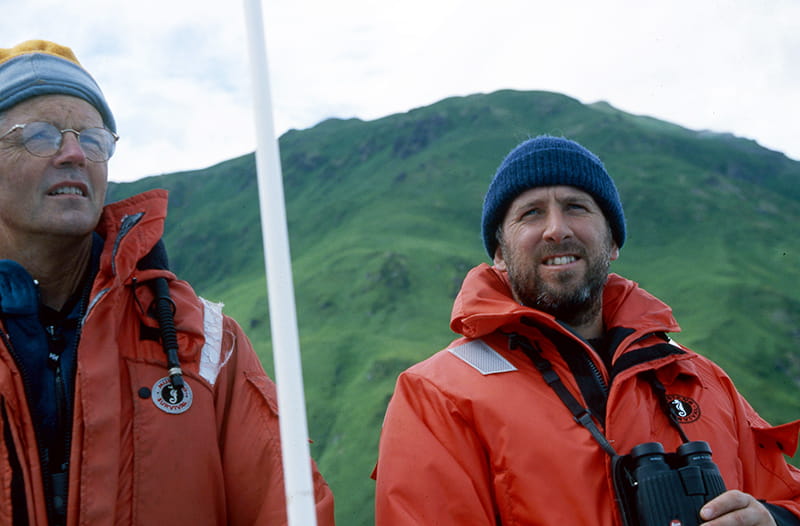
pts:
pixel 573 350
pixel 64 412
pixel 597 375
pixel 62 406
pixel 59 473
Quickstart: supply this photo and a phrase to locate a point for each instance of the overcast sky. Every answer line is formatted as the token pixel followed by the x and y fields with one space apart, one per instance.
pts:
pixel 177 75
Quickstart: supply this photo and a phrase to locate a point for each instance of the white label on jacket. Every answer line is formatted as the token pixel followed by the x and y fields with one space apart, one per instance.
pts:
pixel 211 356
pixel 169 399
pixel 482 357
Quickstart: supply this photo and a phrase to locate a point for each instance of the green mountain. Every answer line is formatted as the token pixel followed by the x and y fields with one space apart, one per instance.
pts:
pixel 384 223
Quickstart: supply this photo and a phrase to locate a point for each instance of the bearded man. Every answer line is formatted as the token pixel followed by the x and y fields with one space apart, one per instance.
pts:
pixel 562 371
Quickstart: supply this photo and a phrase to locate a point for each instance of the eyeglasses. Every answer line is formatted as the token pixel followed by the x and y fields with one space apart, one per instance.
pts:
pixel 42 139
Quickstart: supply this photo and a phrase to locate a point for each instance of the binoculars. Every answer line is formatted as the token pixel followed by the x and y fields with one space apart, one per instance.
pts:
pixel 655 488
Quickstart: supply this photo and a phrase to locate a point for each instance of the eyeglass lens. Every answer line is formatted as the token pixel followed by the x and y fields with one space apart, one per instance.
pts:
pixel 43 140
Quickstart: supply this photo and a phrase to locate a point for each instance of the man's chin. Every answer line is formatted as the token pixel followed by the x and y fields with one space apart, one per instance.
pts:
pixel 564 293
pixel 562 301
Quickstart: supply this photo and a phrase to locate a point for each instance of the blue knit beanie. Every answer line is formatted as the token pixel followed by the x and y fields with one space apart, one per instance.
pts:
pixel 39 67
pixel 549 161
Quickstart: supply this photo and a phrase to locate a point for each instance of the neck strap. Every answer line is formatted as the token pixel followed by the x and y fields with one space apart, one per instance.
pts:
pixel 581 414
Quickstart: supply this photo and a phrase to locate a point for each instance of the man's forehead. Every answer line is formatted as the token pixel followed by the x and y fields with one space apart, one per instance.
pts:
pixel 55 106
pixel 558 192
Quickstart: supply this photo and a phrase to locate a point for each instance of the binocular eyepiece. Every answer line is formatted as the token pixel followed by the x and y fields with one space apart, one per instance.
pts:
pixel 659 488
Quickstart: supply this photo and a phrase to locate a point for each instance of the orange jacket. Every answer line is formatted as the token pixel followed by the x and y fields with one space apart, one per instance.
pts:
pixel 132 462
pixel 474 436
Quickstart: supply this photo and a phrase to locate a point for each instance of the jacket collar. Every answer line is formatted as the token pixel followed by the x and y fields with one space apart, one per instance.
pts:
pixel 145 213
pixel 485 303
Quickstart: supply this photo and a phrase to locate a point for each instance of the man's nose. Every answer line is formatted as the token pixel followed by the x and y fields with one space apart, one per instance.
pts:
pixel 71 151
pixel 557 227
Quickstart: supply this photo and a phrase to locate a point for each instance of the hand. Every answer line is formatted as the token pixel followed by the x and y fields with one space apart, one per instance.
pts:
pixel 735 508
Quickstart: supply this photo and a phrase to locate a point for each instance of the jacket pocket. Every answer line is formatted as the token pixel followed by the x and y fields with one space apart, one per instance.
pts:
pixel 265 389
pixel 176 464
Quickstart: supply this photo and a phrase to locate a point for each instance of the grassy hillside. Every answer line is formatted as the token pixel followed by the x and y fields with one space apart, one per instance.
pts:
pixel 384 223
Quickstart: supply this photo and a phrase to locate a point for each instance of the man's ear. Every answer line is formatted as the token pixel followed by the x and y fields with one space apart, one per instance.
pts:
pixel 499 261
pixel 614 251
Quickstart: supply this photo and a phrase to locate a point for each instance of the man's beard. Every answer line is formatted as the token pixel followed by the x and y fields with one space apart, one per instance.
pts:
pixel 575 304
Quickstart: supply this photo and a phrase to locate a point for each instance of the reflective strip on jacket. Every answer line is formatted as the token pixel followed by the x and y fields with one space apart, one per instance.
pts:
pixel 474 436
pixel 216 463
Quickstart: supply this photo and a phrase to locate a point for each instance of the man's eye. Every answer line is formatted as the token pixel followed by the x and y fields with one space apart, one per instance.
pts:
pixel 91 141
pixel 38 135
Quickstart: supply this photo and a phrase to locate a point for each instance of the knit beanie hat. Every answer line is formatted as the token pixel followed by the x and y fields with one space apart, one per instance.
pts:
pixel 549 161
pixel 39 67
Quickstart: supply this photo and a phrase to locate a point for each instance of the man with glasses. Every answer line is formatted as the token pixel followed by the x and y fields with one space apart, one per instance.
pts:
pixel 124 397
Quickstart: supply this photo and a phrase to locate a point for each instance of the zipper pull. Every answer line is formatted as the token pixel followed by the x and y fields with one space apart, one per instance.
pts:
pixel 54 357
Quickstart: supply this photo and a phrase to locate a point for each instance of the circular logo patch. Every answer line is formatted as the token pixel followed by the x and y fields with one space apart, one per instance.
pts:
pixel 169 399
pixel 683 407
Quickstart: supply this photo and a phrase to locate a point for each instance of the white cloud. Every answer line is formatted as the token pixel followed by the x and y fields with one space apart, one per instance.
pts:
pixel 177 72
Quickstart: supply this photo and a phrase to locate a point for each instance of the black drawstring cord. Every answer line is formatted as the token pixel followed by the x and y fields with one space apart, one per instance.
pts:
pixel 165 313
pixel 164 309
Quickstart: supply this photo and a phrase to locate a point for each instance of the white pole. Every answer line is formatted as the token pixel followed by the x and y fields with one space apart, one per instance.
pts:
pixel 300 505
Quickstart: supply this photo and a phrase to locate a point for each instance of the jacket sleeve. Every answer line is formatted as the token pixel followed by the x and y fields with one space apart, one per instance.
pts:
pixel 767 474
pixel 772 478
pixel 432 468
pixel 247 420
